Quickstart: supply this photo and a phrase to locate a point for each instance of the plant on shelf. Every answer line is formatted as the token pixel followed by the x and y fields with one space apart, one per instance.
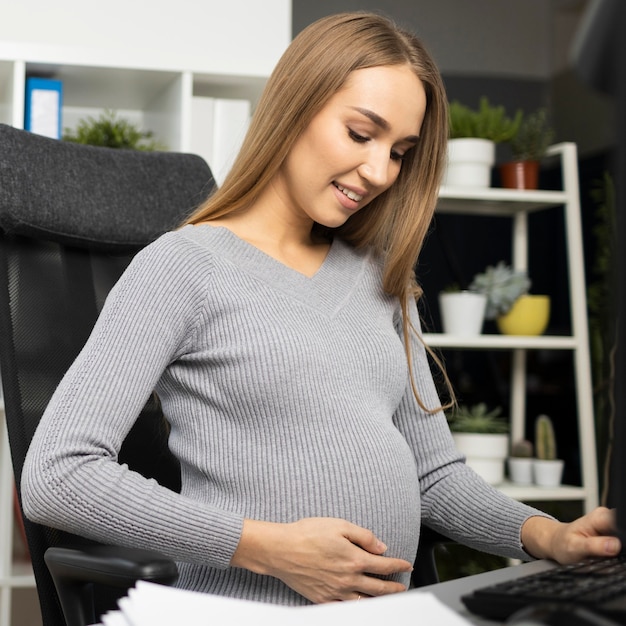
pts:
pixel 521 462
pixel 528 147
pixel 547 468
pixel 508 302
pixel 477 419
pixel 499 293
pixel 502 285
pixel 603 321
pixel 111 131
pixel 462 311
pixel 473 136
pixel 534 136
pixel 545 440
pixel 481 435
pixel 486 122
pixel 522 449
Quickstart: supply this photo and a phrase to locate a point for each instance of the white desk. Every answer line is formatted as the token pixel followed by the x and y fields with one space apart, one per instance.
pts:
pixel 450 592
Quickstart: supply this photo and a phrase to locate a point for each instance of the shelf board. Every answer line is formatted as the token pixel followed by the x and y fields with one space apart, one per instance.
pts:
pixel 500 342
pixel 496 201
pixel 528 493
pixel 110 88
pixel 21 576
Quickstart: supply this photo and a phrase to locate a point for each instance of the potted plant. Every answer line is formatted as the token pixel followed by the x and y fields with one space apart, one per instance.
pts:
pixel 508 302
pixel 547 468
pixel 111 131
pixel 473 135
pixel 528 147
pixel 502 285
pixel 462 311
pixel 481 436
pixel 520 462
pixel 490 295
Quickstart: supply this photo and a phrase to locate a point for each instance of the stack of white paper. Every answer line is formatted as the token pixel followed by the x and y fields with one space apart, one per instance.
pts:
pixel 153 605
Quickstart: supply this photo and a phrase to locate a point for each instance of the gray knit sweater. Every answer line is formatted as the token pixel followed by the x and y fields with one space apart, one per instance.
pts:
pixel 288 397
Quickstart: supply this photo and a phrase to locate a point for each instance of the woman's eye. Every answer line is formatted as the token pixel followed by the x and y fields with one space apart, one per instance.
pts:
pixel 356 137
pixel 396 156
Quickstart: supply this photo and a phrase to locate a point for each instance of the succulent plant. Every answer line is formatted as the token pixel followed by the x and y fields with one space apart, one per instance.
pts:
pixel 487 122
pixel 522 449
pixel 502 285
pixel 477 419
pixel 545 441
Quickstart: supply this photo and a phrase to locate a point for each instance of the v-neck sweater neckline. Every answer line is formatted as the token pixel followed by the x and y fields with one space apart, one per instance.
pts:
pixel 330 286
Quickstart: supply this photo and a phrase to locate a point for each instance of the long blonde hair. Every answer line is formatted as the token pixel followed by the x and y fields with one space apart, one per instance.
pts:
pixel 313 68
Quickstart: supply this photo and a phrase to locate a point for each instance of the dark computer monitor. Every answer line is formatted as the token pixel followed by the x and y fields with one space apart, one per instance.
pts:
pixel 599 57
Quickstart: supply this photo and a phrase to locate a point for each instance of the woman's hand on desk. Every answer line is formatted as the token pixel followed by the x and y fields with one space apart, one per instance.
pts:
pixel 323 559
pixel 589 536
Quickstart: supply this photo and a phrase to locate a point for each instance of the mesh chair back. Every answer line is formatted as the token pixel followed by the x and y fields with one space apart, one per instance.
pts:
pixel 71 219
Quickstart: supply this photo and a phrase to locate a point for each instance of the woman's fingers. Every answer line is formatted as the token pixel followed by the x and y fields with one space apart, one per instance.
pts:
pixel 591 535
pixel 323 559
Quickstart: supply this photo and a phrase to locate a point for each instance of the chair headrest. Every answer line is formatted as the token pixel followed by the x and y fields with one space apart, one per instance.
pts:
pixel 95 197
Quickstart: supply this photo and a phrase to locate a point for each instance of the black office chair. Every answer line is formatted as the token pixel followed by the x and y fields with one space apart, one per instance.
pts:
pixel 71 218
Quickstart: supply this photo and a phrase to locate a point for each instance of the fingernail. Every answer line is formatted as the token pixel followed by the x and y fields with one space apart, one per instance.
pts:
pixel 382 547
pixel 611 546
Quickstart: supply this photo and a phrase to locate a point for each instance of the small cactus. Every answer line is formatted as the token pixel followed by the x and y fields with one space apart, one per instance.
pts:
pixel 545 442
pixel 522 449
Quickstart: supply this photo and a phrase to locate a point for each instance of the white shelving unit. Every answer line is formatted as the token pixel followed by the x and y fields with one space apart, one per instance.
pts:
pixel 518 205
pixel 156 99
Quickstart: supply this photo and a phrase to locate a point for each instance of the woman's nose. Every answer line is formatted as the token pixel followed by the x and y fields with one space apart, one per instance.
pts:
pixel 375 170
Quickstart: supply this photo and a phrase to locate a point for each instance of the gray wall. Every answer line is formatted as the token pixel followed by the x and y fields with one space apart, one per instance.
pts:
pixel 517 52
pixel 469 37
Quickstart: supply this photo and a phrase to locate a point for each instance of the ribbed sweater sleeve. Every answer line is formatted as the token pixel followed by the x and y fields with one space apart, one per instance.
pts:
pixel 71 477
pixel 455 500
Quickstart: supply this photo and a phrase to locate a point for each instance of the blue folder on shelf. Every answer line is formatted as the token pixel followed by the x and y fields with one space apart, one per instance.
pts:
pixel 44 102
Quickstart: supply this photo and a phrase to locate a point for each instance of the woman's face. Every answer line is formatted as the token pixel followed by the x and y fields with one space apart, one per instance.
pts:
pixel 352 149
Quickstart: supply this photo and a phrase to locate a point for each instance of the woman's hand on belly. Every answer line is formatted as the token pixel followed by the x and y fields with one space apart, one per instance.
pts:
pixel 323 559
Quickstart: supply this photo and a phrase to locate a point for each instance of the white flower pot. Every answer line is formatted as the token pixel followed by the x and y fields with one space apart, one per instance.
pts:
pixel 520 470
pixel 469 162
pixel 484 453
pixel 462 312
pixel 547 473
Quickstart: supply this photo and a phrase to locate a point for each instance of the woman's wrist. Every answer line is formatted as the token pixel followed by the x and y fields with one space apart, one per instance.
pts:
pixel 537 536
pixel 253 546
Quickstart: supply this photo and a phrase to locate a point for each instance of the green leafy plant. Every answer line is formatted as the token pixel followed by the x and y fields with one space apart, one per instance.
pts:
pixel 545 441
pixel 477 419
pixel 502 285
pixel 522 449
pixel 533 137
pixel 486 122
pixel 603 322
pixel 111 131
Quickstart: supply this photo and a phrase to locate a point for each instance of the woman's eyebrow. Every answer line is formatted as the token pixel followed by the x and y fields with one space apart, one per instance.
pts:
pixel 382 122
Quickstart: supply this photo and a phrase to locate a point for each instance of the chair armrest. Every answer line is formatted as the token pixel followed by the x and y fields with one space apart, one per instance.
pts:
pixel 73 571
pixel 110 565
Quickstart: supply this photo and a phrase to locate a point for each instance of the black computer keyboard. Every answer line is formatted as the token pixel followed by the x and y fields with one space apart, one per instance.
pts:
pixel 596 584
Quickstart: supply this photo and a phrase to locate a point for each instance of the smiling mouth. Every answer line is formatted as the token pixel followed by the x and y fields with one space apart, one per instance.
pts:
pixel 353 196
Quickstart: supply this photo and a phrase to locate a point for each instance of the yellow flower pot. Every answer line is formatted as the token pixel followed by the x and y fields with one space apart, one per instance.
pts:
pixel 529 315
